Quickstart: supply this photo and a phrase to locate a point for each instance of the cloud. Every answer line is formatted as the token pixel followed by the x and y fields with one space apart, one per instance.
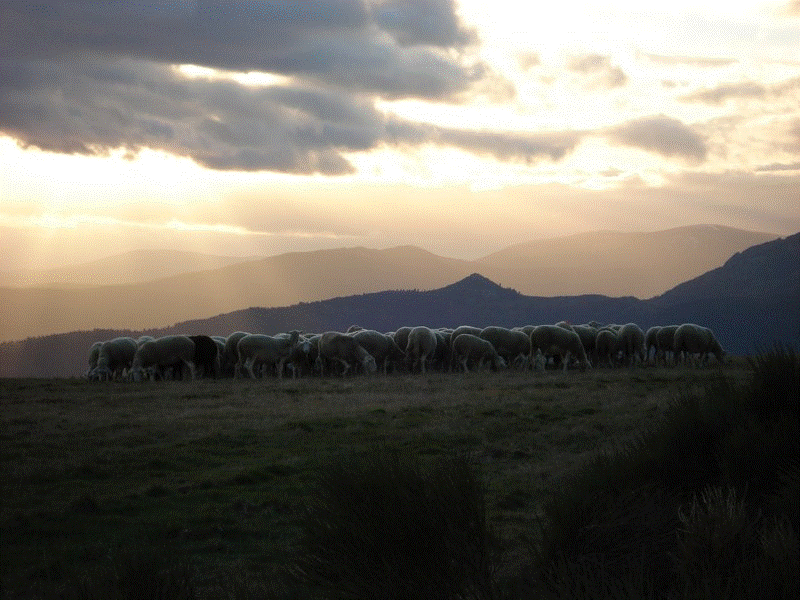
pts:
pixel 663 135
pixel 334 42
pixel 422 22
pixel 84 77
pixel 693 61
pixel 745 90
pixel 528 60
pixel 725 91
pixel 793 8
pixel 599 71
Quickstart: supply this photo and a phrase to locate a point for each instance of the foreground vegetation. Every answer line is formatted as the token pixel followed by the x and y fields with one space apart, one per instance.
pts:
pixel 643 483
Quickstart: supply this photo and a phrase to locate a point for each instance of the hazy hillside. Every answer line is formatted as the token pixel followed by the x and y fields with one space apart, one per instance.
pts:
pixel 744 322
pixel 763 271
pixel 613 264
pixel 131 267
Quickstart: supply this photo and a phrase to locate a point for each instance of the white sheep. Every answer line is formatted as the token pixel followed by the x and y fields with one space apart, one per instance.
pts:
pixel 665 337
pixel 471 348
pixel 230 354
pixel 513 346
pixel 552 339
pixel 421 347
pixel 691 339
pixel 651 343
pixel 94 355
pixel 267 349
pixel 114 358
pixel 606 347
pixel 630 338
pixel 336 347
pixel 382 347
pixel 153 356
pixel 588 335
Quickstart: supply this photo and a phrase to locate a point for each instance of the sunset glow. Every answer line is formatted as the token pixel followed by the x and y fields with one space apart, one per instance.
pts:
pixel 457 126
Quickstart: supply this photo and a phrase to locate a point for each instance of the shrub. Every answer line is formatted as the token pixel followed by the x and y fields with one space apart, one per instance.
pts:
pixel 382 526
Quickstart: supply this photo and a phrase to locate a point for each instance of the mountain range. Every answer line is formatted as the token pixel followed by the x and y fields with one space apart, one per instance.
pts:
pixel 614 264
pixel 751 302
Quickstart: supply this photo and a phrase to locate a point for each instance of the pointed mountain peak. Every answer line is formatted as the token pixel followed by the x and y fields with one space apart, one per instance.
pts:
pixel 477 283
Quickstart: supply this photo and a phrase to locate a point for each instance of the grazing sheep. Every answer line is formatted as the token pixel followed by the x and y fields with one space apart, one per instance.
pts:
pixel 513 346
pixel 691 339
pixel 665 337
pixel 588 335
pixel 206 355
pixel 471 348
pixel 422 342
pixel 144 338
pixel 631 342
pixel 344 349
pixel 401 336
pixel 161 353
pixel 114 358
pixel 94 355
pixel 651 343
pixel 552 339
pixel 382 347
pixel 256 347
pixel 230 355
pixel 303 356
pixel 606 347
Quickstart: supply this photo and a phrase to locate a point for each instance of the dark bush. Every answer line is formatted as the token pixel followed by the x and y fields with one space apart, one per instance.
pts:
pixel 704 505
pixel 383 526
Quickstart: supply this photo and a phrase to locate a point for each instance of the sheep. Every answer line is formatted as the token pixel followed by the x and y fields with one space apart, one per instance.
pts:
pixel 513 346
pixel 665 337
pixel 691 339
pixel 144 338
pixel 606 346
pixel 94 355
pixel 550 339
pixel 114 358
pixel 631 342
pixel 382 347
pixel 230 356
pixel 651 343
pixel 164 352
pixel 588 335
pixel 206 355
pixel 476 331
pixel 401 336
pixel 468 347
pixel 344 349
pixel 421 347
pixel 303 355
pixel 256 347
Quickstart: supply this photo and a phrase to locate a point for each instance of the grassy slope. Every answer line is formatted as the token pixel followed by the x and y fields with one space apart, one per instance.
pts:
pixel 220 469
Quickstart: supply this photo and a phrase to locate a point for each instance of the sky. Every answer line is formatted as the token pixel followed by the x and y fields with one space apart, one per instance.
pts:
pixel 461 126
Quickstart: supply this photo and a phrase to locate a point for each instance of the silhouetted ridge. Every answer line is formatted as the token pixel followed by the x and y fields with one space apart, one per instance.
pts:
pixel 766 270
pixel 477 284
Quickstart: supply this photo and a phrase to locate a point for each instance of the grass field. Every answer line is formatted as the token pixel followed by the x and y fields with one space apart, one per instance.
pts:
pixel 215 474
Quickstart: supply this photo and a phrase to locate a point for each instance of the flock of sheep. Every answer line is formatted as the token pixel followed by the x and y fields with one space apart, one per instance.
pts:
pixel 410 349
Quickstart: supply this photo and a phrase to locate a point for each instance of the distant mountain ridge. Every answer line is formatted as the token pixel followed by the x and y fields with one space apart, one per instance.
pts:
pixel 136 266
pixel 602 263
pixel 744 323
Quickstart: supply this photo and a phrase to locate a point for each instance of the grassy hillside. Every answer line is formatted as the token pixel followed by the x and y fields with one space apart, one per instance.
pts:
pixel 208 488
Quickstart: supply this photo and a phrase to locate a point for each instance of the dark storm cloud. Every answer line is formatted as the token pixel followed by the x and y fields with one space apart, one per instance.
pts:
pixel 78 76
pixel 663 135
pixel 333 42
pixel 422 22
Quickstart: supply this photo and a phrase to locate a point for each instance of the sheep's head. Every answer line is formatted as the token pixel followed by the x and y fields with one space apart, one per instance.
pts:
pixel 370 366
